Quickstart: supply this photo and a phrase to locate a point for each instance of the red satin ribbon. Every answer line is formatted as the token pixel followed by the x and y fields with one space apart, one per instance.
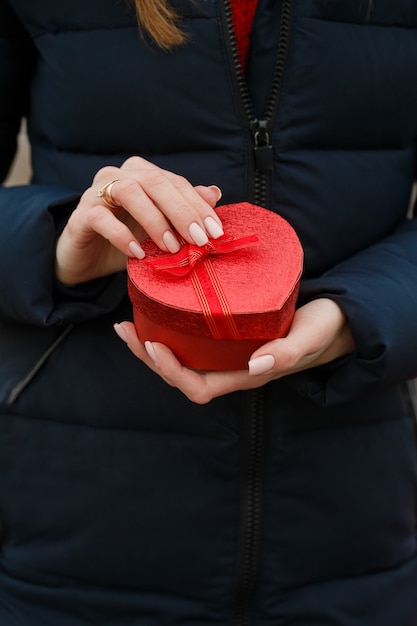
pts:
pixel 181 263
pixel 194 261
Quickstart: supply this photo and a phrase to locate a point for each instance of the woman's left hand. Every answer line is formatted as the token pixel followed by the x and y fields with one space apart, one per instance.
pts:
pixel 319 334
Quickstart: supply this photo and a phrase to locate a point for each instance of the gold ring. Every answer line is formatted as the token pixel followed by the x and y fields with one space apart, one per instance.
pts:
pixel 105 194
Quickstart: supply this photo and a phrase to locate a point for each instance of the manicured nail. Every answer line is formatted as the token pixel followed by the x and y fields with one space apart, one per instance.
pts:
pixel 171 242
pixel 121 332
pixel 150 350
pixel 213 228
pixel 197 234
pixel 219 191
pixel 261 364
pixel 136 250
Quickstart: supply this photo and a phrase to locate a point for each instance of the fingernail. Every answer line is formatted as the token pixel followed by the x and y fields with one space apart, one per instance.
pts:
pixel 136 250
pixel 213 228
pixel 197 234
pixel 261 364
pixel 120 331
pixel 219 191
pixel 171 242
pixel 150 350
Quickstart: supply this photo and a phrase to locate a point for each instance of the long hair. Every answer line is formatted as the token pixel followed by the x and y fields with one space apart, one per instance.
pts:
pixel 370 7
pixel 161 22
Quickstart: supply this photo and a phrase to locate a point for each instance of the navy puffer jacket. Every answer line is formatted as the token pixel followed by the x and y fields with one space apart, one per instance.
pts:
pixel 121 502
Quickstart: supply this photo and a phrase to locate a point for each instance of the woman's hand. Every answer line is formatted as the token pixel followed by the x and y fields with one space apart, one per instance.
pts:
pixel 149 201
pixel 319 334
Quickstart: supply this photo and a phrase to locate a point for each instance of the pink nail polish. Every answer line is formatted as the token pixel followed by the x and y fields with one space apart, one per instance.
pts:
pixel 261 364
pixel 120 331
pixel 136 250
pixel 171 242
pixel 197 234
pixel 218 190
pixel 150 350
pixel 213 228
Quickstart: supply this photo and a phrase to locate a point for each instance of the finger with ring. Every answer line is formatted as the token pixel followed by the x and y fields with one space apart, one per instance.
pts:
pixel 105 194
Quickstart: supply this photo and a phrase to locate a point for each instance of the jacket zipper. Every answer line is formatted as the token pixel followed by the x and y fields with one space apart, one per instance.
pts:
pixel 259 136
pixel 254 437
pixel 259 130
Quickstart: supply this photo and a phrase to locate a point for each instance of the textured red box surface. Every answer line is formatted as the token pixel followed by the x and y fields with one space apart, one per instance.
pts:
pixel 229 304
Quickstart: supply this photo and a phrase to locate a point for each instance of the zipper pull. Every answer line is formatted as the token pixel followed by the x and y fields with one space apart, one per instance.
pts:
pixel 261 146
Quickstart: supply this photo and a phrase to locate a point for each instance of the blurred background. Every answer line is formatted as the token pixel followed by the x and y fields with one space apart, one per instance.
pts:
pixel 21 172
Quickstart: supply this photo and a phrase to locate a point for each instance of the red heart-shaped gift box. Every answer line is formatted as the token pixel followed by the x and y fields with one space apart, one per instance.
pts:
pixel 215 305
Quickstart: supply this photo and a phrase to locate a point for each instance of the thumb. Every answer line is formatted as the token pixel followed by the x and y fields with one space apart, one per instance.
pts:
pixel 211 194
pixel 279 356
pixel 313 339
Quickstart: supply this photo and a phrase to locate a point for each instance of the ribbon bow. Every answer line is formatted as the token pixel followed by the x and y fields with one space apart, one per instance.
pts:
pixel 182 263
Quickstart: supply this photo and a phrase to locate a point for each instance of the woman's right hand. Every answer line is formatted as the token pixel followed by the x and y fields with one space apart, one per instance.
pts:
pixel 151 202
